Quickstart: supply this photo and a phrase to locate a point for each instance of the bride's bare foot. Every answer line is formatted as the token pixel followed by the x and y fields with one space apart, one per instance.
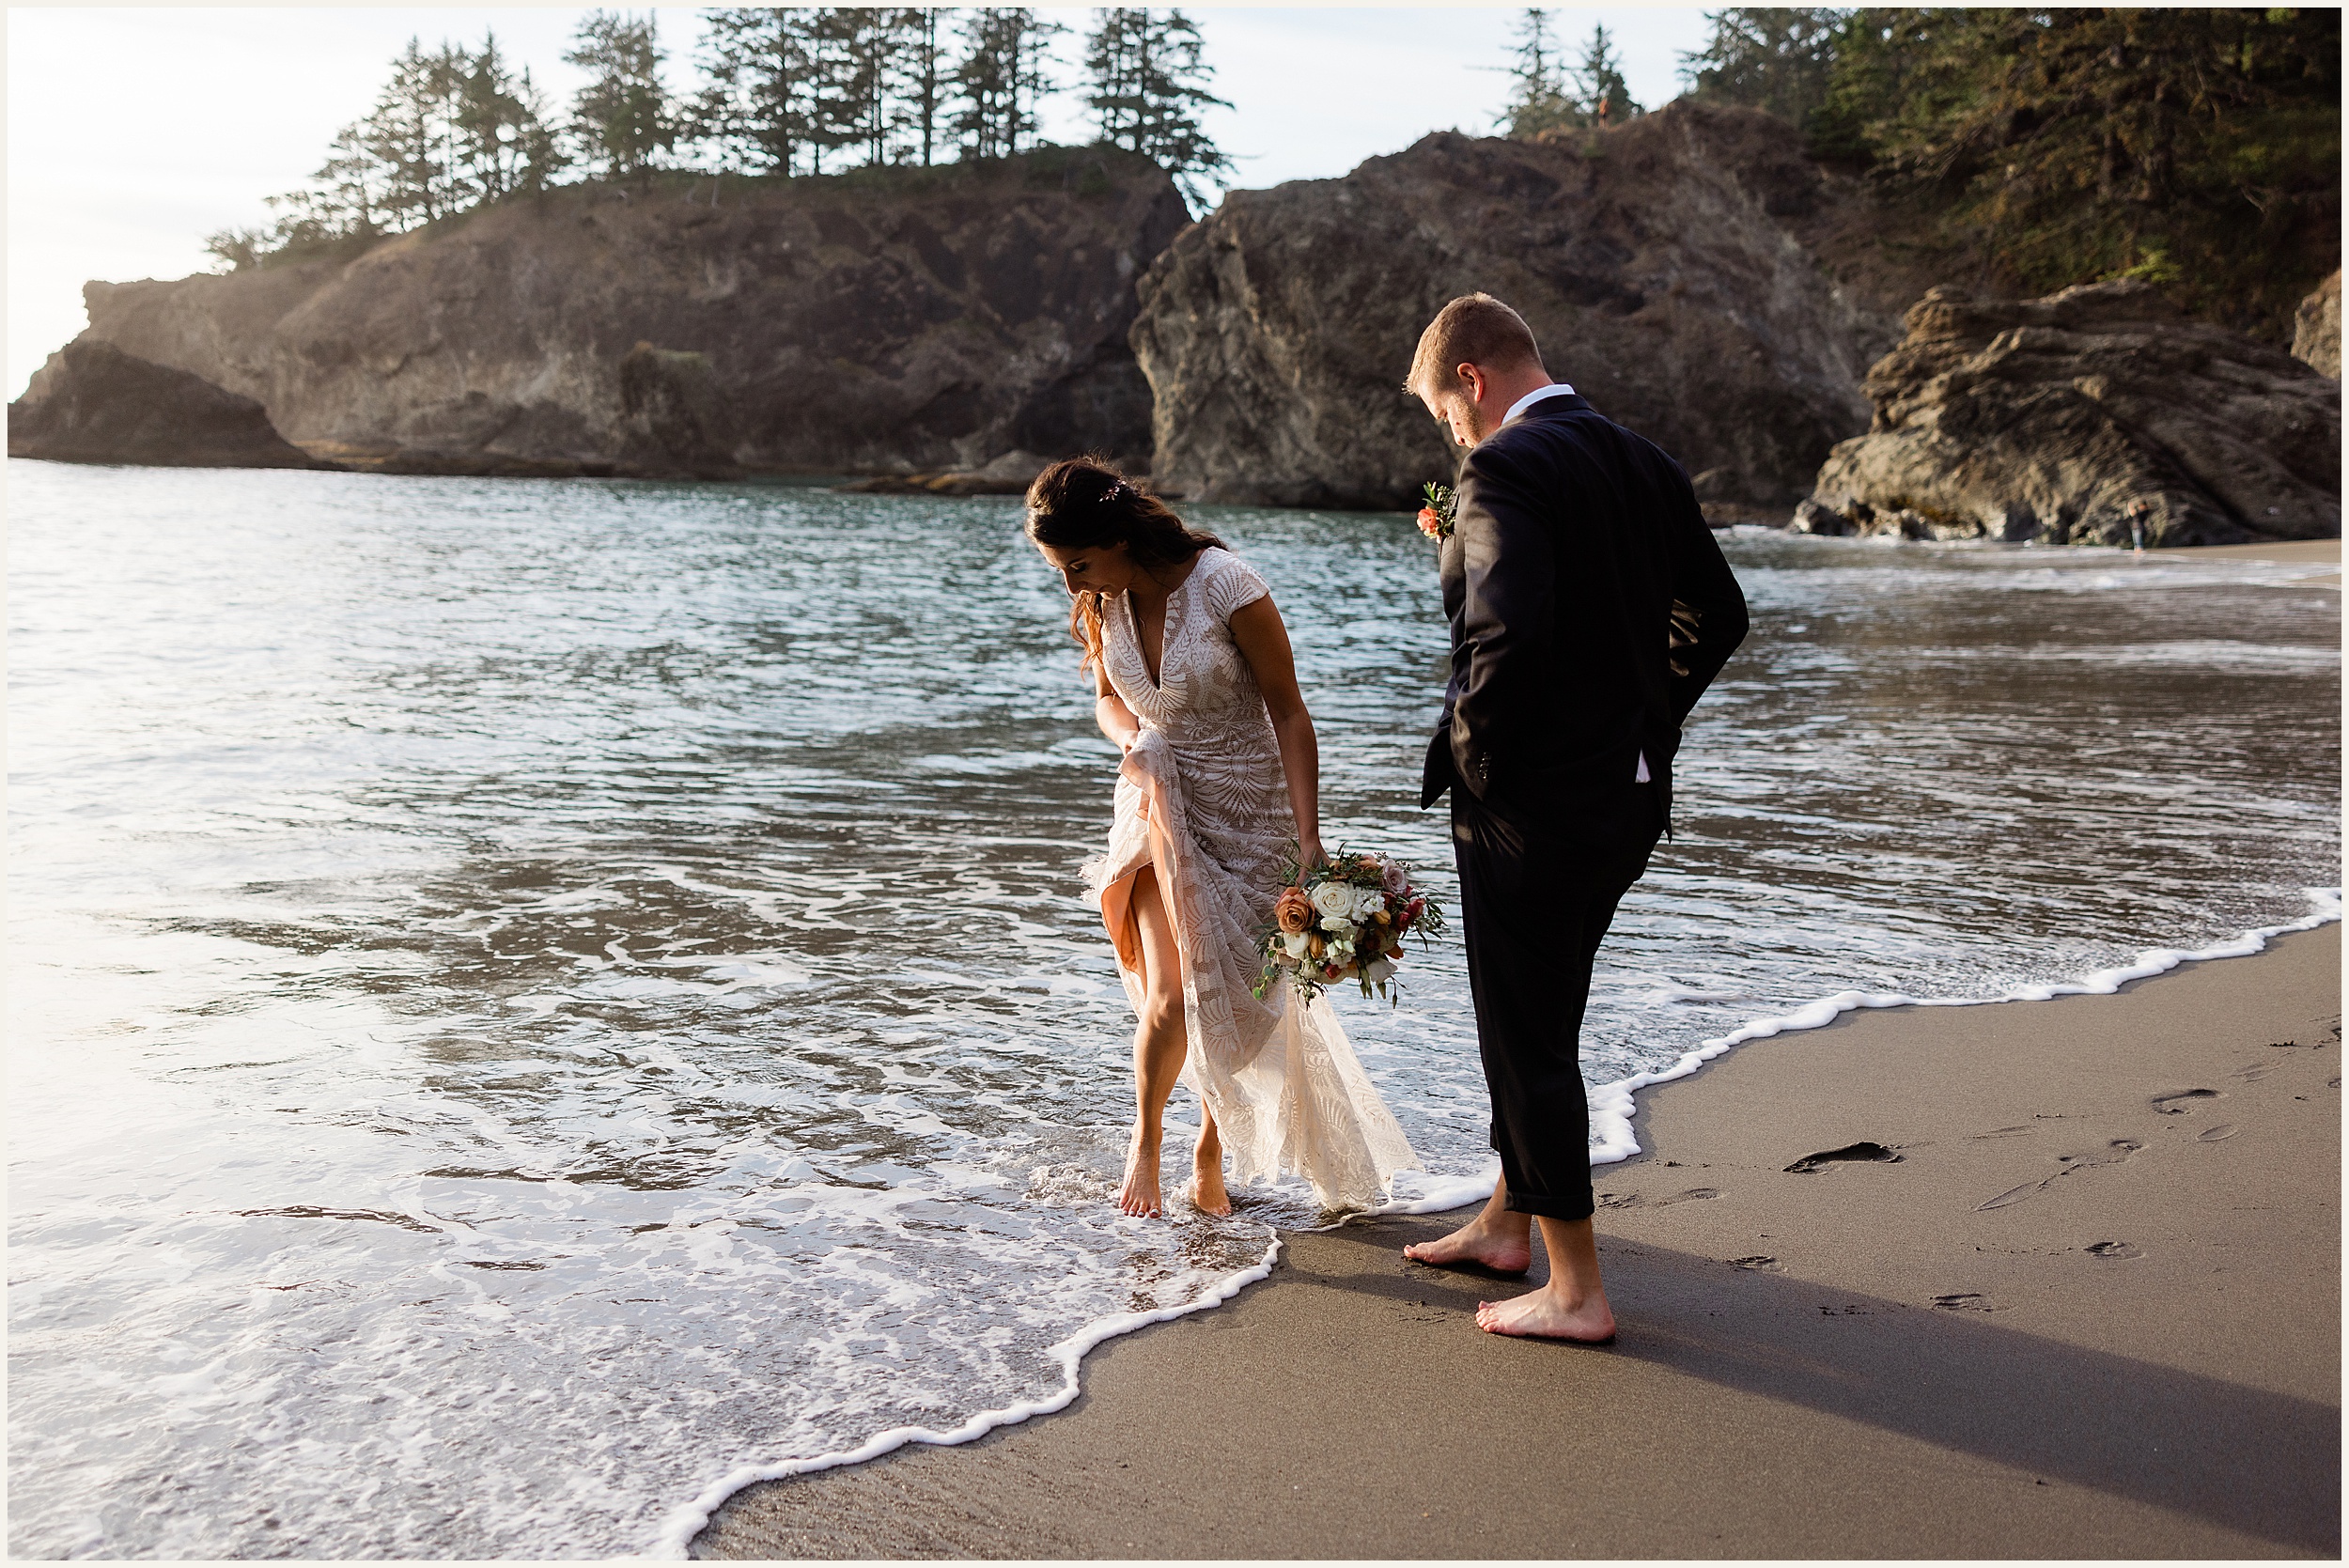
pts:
pixel 1505 1247
pixel 1205 1192
pixel 1140 1195
pixel 1547 1314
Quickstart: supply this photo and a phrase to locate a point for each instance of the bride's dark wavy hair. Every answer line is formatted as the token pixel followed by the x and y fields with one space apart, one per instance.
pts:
pixel 1090 504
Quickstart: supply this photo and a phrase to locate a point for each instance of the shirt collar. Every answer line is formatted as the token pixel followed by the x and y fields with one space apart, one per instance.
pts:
pixel 1555 389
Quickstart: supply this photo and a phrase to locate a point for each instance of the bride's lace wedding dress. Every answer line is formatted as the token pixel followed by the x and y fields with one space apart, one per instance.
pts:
pixel 1201 797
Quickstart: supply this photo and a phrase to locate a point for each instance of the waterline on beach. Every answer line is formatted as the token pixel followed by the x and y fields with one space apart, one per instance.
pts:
pixel 1613 1106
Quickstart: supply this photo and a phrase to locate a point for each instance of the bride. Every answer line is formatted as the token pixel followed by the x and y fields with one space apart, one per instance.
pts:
pixel 1194 681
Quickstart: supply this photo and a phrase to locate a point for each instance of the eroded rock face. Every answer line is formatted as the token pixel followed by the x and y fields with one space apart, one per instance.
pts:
pixel 92 403
pixel 905 321
pixel 2018 419
pixel 1659 264
pixel 2316 329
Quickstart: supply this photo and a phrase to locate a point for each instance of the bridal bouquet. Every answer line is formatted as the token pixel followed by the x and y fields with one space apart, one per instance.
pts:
pixel 1348 918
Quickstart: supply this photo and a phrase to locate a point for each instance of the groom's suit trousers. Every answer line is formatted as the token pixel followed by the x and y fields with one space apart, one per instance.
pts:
pixel 1539 882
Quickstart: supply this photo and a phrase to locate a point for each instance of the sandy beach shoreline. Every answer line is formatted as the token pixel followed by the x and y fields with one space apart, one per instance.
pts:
pixel 2092 1309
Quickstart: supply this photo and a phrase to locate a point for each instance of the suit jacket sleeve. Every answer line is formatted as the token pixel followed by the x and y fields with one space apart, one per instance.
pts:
pixel 1508 616
pixel 1701 581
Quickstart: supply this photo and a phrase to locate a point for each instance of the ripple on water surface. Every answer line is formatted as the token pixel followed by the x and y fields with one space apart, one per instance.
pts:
pixel 530 996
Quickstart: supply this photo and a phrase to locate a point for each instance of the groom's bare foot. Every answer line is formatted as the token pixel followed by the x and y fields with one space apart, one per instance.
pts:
pixel 1502 1248
pixel 1140 1195
pixel 1547 1314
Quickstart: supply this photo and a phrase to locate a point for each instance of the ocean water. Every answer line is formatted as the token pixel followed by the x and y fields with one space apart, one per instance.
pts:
pixel 529 999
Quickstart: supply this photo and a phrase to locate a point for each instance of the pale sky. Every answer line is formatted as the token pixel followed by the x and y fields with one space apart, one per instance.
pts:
pixel 134 132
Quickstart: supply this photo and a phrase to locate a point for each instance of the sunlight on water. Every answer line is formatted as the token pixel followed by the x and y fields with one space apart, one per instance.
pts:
pixel 528 996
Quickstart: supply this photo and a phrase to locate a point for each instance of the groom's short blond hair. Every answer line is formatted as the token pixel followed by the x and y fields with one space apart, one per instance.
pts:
pixel 1474 329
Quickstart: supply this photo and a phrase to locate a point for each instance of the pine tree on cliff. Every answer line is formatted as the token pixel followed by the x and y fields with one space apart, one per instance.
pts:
pixel 408 136
pixel 1599 83
pixel 855 77
pixel 1538 99
pixel 1150 92
pixel 922 82
pixel 1778 59
pixel 504 143
pixel 622 119
pixel 1001 77
pixel 758 105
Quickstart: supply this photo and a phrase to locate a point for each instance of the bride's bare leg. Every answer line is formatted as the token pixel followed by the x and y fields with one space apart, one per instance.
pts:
pixel 1206 1168
pixel 1497 1238
pixel 1159 1044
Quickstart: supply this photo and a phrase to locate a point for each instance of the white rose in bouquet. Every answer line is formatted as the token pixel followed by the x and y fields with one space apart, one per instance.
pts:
pixel 1295 942
pixel 1332 901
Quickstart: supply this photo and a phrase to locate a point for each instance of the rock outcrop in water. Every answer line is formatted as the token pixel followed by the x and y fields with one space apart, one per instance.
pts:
pixel 2316 329
pixel 2016 419
pixel 888 320
pixel 92 403
pixel 1664 266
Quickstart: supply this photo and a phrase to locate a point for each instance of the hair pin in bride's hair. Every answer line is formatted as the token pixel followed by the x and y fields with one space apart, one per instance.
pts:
pixel 1117 487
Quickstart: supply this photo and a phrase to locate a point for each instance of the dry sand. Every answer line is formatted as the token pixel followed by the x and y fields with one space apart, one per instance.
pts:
pixel 2093 1310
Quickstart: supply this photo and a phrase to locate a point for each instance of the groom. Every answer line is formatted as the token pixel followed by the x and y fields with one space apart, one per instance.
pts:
pixel 1589 606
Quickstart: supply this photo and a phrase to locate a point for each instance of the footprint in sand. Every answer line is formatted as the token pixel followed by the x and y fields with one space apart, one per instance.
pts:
pixel 1863 1153
pixel 2183 1101
pixel 1759 1265
pixel 1692 1192
pixel 2114 1250
pixel 2224 1129
pixel 2115 1152
pixel 1964 1301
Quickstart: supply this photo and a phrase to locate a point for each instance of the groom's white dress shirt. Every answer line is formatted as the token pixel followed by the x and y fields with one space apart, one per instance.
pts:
pixel 1560 389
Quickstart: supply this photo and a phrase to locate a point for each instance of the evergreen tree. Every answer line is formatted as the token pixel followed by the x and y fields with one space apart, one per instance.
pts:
pixel 1775 58
pixel 1538 99
pixel 923 81
pixel 407 137
pixel 241 248
pixel 622 117
pixel 758 106
pixel 1148 92
pixel 868 39
pixel 504 143
pixel 1001 76
pixel 1604 97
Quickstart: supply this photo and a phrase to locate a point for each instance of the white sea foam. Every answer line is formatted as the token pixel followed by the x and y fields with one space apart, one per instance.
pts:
pixel 678 1529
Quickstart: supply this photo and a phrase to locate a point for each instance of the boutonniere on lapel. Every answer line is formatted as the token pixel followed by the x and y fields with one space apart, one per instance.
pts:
pixel 1435 519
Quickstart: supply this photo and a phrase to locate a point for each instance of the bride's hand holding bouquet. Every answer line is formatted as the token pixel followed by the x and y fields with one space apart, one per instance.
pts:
pixel 1343 918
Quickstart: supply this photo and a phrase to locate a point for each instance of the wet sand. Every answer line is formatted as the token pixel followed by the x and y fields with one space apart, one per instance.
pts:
pixel 2092 1310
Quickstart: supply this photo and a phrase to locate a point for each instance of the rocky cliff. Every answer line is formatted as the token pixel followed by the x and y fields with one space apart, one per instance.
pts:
pixel 1671 269
pixel 92 403
pixel 2018 419
pixel 2316 329
pixel 880 322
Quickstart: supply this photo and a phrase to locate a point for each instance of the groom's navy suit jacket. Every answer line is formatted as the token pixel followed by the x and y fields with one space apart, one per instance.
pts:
pixel 1572 539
